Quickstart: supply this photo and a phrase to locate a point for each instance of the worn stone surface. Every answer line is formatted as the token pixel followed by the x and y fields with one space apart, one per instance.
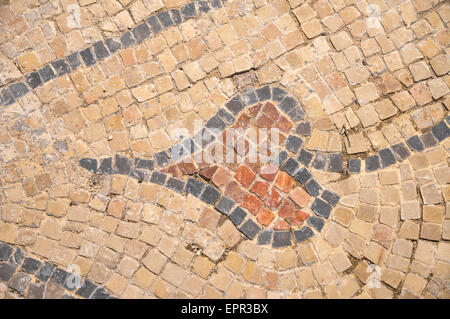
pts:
pixel 100 184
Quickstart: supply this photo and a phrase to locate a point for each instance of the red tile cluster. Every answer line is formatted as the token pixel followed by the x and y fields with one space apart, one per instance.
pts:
pixel 269 194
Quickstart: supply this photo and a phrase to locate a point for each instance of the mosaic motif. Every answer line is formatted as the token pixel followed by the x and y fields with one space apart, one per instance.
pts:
pixel 102 198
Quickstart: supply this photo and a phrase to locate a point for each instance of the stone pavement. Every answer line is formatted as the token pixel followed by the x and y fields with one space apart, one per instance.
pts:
pixel 98 200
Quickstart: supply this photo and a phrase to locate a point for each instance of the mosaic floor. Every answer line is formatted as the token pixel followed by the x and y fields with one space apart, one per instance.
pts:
pixel 103 197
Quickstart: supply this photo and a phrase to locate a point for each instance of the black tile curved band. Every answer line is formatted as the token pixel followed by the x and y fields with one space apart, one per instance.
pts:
pixel 100 50
pixel 295 161
pixel 35 278
pixel 331 162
